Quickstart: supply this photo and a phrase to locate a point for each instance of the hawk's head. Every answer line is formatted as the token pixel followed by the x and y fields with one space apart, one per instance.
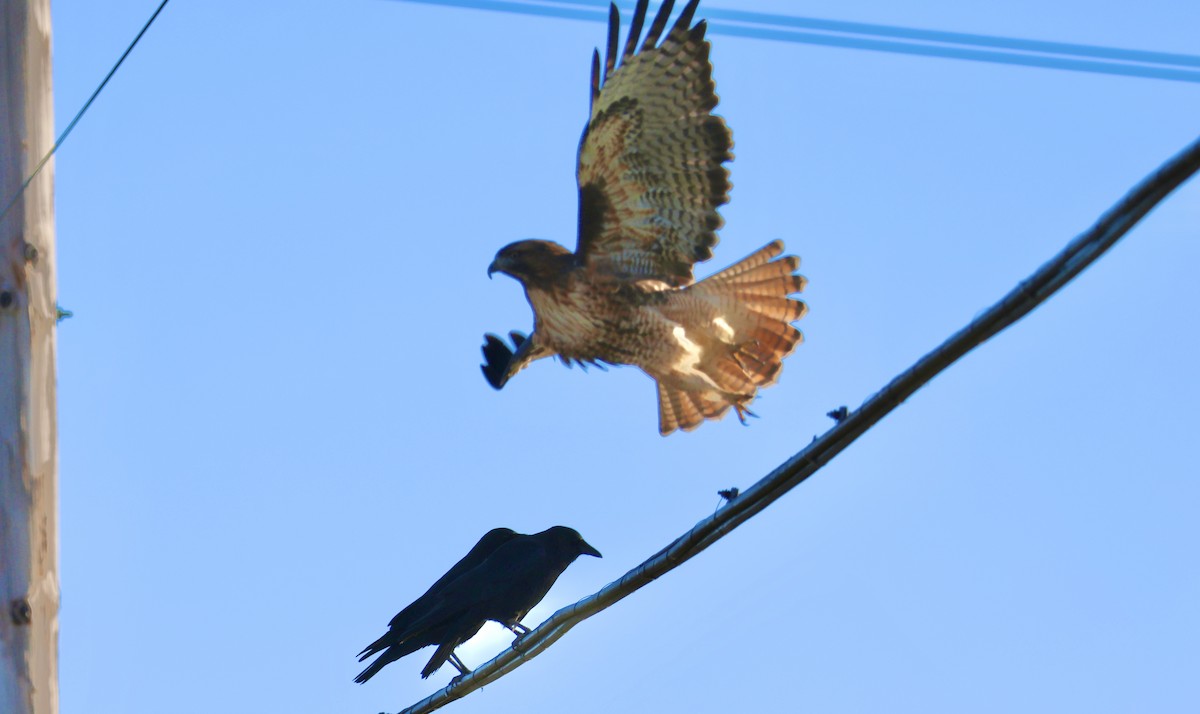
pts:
pixel 537 262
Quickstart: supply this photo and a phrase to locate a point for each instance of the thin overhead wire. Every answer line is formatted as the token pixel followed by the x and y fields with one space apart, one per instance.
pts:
pixel 1081 252
pixel 79 115
pixel 940 36
pixel 886 38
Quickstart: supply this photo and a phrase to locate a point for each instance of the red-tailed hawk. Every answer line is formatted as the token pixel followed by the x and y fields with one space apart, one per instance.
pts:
pixel 651 178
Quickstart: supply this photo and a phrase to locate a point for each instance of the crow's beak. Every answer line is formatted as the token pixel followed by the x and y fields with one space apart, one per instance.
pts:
pixel 586 549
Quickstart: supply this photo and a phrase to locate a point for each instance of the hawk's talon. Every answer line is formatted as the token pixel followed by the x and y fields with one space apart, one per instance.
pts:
pixel 742 413
pixel 496 357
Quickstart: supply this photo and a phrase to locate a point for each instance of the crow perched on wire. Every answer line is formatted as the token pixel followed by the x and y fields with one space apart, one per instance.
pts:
pixel 510 574
pixel 393 640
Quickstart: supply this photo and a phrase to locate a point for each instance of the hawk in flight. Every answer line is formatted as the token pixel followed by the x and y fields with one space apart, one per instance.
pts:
pixel 651 176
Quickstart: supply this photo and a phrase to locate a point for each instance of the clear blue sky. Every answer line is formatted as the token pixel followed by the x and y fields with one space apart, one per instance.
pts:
pixel 274 227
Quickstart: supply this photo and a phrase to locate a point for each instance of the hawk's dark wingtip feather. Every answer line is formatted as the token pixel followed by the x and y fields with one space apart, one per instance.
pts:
pixel 595 83
pixel 635 27
pixel 614 29
pixel 685 17
pixel 656 28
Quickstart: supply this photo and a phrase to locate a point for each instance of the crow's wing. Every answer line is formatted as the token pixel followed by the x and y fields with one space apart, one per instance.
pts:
pixel 400 624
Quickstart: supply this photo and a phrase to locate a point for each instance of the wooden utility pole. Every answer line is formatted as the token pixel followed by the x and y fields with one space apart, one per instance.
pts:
pixel 28 311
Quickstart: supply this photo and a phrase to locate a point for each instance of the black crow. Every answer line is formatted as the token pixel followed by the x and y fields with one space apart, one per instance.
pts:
pixel 394 640
pixel 509 581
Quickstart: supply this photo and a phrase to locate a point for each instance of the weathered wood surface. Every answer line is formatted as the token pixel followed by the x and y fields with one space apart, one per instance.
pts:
pixel 28 433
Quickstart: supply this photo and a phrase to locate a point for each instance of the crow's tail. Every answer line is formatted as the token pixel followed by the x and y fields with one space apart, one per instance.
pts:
pixel 391 653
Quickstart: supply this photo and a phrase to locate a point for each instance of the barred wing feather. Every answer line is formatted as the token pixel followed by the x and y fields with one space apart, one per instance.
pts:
pixel 651 173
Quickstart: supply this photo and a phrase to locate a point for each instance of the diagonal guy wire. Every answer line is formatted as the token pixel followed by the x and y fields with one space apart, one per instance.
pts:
pixel 79 115
pixel 1030 293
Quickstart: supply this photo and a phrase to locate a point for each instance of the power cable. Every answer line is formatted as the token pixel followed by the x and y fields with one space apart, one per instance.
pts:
pixel 63 137
pixel 886 38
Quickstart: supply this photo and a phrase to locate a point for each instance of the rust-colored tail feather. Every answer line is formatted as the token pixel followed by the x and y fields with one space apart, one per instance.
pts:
pixel 774 307
pixel 678 409
pixel 754 294
pixel 675 411
pixel 758 258
pixel 753 297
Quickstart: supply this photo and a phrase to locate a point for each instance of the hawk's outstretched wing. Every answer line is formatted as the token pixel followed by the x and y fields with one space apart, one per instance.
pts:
pixel 651 173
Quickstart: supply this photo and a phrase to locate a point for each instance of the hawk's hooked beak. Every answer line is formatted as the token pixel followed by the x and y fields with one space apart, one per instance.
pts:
pixel 503 263
pixel 587 549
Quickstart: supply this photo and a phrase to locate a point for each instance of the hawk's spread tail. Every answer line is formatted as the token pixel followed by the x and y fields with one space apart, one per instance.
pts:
pixel 753 327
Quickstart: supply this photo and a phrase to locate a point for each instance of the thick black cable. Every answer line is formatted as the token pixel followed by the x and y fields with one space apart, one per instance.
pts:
pixel 1051 277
